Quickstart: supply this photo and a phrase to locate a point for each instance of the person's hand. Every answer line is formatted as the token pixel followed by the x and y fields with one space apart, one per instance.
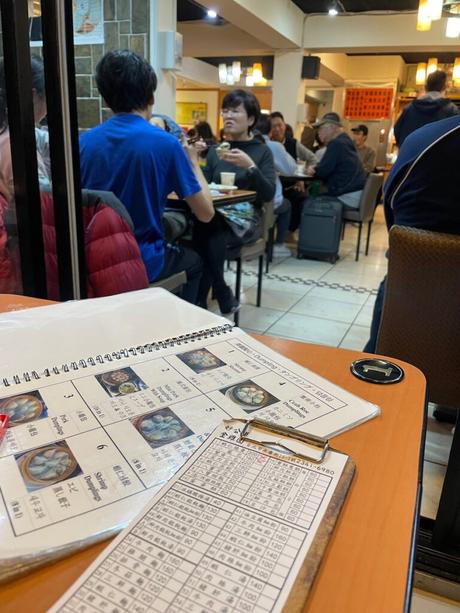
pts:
pixel 238 158
pixel 190 150
pixel 299 187
pixel 311 170
pixel 200 145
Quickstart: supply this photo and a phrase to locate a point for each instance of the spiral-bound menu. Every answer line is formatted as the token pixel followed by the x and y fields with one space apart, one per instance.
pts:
pixel 139 383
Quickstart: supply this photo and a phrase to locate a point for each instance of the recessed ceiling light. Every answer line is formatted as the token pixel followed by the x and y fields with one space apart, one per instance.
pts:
pixel 212 14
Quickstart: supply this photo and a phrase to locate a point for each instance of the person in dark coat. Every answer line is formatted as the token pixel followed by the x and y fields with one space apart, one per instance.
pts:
pixel 430 107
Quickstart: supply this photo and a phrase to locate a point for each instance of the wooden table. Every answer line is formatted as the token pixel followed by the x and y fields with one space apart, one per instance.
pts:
pixel 232 197
pixel 367 566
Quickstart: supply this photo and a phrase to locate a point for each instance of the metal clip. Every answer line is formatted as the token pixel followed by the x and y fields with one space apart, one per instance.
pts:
pixel 288 432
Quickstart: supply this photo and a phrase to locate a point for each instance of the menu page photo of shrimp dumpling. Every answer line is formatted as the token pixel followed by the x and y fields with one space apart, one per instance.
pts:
pixel 47 465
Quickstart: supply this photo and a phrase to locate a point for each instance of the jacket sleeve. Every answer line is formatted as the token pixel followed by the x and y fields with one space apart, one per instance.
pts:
pixel 397 128
pixel 263 176
pixel 328 162
pixel 369 162
pixel 284 163
pixel 305 154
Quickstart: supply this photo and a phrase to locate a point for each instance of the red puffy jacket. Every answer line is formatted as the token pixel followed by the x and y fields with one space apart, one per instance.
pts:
pixel 9 270
pixel 113 260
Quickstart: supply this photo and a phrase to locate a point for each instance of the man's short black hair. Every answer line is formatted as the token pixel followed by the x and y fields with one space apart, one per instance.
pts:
pixel 126 81
pixel 263 124
pixel 436 81
pixel 277 115
pixel 240 96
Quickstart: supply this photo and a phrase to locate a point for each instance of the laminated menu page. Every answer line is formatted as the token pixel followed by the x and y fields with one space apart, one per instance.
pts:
pixel 241 527
pixel 107 398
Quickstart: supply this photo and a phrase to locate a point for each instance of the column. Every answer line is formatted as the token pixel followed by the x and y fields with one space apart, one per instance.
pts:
pixel 288 87
pixel 163 17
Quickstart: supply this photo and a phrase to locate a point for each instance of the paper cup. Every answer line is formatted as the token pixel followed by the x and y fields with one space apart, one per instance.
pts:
pixel 227 178
pixel 300 169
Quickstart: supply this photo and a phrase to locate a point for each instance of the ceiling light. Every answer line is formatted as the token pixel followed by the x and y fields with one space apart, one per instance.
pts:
pixel 453 27
pixel 424 16
pixel 333 12
pixel 212 14
pixel 456 72
pixel 432 65
pixel 222 73
pixel 236 70
pixel 435 9
pixel 257 72
pixel 420 76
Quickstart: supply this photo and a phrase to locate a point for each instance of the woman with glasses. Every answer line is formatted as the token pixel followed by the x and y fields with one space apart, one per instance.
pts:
pixel 252 163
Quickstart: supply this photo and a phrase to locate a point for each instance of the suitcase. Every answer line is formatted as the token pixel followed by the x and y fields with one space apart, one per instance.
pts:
pixel 320 228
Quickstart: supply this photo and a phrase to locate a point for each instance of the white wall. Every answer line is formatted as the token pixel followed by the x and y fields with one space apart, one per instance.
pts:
pixel 210 97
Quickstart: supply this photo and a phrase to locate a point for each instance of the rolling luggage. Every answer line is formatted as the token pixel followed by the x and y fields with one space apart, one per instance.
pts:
pixel 320 227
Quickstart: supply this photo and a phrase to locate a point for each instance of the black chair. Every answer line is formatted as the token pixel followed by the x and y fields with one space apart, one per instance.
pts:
pixel 251 251
pixel 365 212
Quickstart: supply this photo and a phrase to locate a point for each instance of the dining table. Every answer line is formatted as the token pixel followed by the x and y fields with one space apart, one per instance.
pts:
pixel 368 563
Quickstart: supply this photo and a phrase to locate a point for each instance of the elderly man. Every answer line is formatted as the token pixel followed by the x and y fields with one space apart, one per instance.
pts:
pixel 365 153
pixel 340 167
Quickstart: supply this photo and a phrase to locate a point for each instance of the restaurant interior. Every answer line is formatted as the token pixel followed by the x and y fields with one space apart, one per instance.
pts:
pixel 365 60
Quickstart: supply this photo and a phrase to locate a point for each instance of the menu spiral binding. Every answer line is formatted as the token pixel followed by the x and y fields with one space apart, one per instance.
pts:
pixel 174 341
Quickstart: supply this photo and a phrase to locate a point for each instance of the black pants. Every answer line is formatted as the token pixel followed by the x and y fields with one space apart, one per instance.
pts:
pixel 212 241
pixel 376 318
pixel 297 200
pixel 178 259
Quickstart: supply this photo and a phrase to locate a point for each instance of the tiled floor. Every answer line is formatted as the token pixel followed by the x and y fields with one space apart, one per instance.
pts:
pixel 332 305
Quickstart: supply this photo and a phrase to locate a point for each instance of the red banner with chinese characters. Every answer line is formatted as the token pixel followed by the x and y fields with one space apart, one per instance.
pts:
pixel 368 103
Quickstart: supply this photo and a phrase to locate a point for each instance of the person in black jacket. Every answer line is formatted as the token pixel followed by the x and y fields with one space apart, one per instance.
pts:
pixel 253 165
pixel 433 106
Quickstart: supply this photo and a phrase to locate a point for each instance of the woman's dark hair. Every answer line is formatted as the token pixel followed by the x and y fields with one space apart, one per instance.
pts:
pixel 203 129
pixel 126 81
pixel 250 103
pixel 38 83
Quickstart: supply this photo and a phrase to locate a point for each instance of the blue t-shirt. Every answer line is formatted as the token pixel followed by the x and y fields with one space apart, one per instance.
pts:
pixel 141 164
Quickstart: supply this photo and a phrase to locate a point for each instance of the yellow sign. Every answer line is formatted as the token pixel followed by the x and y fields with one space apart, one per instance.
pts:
pixel 190 113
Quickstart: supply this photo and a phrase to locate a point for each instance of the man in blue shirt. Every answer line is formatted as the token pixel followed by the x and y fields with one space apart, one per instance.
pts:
pixel 141 164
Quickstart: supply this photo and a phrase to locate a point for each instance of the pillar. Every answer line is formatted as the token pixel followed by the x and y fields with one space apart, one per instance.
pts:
pixel 288 87
pixel 163 17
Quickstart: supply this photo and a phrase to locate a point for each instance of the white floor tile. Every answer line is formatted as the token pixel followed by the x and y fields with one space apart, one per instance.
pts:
pixel 328 309
pixel 309 329
pixel 438 441
pixel 433 479
pixel 329 293
pixel 423 602
pixel 365 315
pixel 271 299
pixel 286 286
pixel 257 318
pixel 356 338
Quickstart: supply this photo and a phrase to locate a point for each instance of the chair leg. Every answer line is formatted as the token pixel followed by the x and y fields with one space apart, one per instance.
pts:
pixel 270 243
pixel 236 317
pixel 368 236
pixel 343 229
pixel 259 280
pixel 358 244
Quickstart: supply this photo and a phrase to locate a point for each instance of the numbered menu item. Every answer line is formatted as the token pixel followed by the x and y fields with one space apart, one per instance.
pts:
pixel 91 441
pixel 241 527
